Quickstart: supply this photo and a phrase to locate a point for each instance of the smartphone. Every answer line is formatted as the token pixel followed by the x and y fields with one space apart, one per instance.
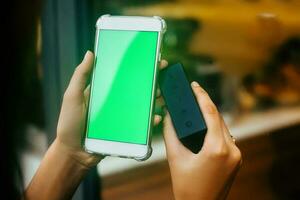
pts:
pixel 121 104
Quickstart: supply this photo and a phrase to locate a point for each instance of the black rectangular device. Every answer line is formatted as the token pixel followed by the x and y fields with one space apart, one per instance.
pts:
pixel 184 110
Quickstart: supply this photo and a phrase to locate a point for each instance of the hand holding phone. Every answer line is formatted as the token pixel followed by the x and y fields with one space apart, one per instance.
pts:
pixel 120 114
pixel 182 106
pixel 208 174
pixel 70 128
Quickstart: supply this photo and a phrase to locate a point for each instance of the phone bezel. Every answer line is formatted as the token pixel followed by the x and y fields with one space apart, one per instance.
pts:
pixel 121 149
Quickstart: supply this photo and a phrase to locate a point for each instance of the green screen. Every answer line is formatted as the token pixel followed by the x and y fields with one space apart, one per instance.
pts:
pixel 122 86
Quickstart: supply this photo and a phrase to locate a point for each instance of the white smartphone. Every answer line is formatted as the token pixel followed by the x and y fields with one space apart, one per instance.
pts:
pixel 121 105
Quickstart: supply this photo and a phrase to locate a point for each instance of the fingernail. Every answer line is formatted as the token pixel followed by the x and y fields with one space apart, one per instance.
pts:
pixel 195 84
pixel 159 118
pixel 86 54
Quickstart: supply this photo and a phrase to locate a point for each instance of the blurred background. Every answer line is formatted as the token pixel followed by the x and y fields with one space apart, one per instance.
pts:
pixel 245 53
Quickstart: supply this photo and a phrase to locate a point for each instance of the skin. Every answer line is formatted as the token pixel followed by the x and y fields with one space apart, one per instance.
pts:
pixel 208 174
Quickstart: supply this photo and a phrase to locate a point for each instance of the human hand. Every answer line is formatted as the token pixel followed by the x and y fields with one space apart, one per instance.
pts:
pixel 71 123
pixel 209 173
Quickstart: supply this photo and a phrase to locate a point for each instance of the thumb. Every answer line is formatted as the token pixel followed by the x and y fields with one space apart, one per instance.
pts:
pixel 81 75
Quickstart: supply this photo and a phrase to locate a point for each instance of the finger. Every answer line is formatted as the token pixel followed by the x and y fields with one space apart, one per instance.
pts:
pixel 157 119
pixel 158 93
pixel 160 102
pixel 87 93
pixel 80 76
pixel 163 64
pixel 173 145
pixel 227 136
pixel 209 111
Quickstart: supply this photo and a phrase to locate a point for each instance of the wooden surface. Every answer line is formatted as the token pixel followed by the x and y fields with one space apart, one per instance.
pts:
pixel 147 183
pixel 271 170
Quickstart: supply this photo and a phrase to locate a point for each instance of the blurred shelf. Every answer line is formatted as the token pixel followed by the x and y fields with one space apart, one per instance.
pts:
pixel 247 126
pixel 270 171
pixel 240 36
pixel 225 12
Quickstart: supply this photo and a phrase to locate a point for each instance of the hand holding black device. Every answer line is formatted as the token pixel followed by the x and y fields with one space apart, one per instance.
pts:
pixel 183 107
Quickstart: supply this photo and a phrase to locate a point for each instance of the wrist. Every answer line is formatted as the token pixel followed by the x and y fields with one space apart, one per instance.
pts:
pixel 78 156
pixel 59 164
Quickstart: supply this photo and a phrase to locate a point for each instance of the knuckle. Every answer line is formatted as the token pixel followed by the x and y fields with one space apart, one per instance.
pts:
pixel 68 95
pixel 232 157
pixel 210 108
pixel 77 70
pixel 80 71
pixel 236 156
pixel 219 152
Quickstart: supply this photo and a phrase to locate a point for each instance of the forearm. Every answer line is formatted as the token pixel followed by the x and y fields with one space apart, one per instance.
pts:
pixel 58 175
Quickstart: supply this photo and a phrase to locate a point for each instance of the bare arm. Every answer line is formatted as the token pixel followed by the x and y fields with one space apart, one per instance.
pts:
pixel 58 175
pixel 210 173
pixel 66 163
